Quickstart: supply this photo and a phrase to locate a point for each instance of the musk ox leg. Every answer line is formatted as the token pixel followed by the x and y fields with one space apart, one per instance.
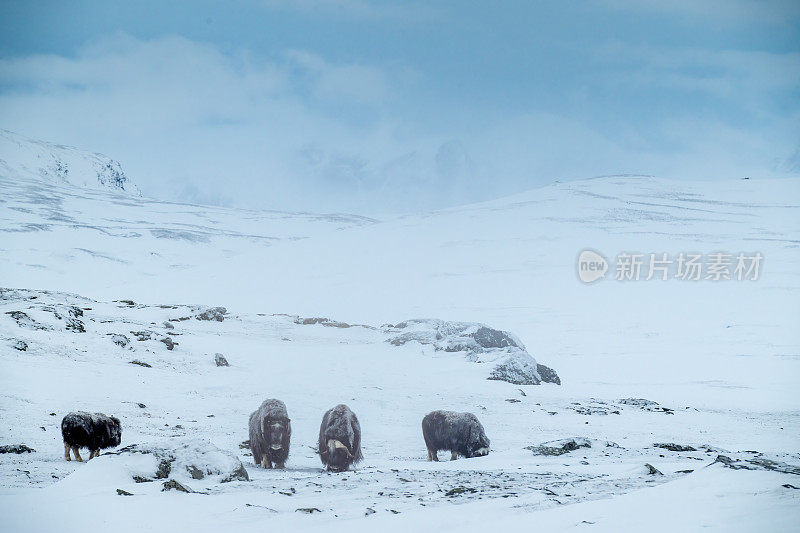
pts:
pixel 93 454
pixel 433 455
pixel 66 452
pixel 265 463
pixel 280 466
pixel 453 456
pixel 77 454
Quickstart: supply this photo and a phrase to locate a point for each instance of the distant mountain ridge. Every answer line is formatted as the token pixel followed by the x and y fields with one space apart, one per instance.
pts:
pixel 62 164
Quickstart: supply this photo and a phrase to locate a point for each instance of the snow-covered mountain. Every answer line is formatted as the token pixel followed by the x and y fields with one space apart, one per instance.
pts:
pixel 673 392
pixel 20 156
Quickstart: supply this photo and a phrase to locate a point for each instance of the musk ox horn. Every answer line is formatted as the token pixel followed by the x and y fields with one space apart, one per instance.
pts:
pixel 338 445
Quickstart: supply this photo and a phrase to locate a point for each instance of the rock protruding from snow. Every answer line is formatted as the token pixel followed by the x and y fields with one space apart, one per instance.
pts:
pixel 212 313
pixel 16 448
pixel 757 463
pixel 182 459
pixel 481 344
pixel 562 446
pixel 62 164
pixel 120 340
pixel 24 321
pixel 220 360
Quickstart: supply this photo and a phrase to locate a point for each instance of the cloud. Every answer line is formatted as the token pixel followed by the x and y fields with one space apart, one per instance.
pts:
pixel 295 130
pixel 173 109
pixel 694 67
pixel 336 82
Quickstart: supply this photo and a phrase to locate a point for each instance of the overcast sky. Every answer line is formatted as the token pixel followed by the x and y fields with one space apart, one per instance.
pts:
pixel 354 105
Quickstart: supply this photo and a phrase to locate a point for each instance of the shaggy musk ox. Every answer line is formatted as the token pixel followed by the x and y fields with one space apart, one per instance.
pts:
pixel 94 431
pixel 339 439
pixel 458 433
pixel 270 431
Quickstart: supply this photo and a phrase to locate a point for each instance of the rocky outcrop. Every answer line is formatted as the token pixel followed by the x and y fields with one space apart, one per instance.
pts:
pixel 671 446
pixel 120 340
pixel 24 321
pixel 647 405
pixel 757 463
pixel 63 164
pixel 70 314
pixel 182 459
pixel 144 335
pixel 16 448
pixel 168 342
pixel 480 344
pixel 212 313
pixel 562 446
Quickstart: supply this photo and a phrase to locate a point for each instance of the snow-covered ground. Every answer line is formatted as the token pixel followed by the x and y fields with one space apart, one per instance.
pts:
pixel 721 359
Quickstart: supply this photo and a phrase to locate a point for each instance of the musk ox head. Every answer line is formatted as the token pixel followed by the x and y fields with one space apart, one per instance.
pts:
pixel 478 445
pixel 276 432
pixel 114 429
pixel 339 439
pixel 338 455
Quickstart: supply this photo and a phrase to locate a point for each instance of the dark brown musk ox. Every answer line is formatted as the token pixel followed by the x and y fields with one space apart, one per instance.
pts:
pixel 270 432
pixel 459 433
pixel 94 431
pixel 339 439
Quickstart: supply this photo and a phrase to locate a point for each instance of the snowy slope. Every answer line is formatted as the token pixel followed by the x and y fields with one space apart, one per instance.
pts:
pixel 20 156
pixel 721 359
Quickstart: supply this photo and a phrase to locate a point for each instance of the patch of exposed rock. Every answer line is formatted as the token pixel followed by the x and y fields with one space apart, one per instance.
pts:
pixel 647 405
pixel 212 313
pixel 757 463
pixel 144 335
pixel 169 343
pixel 16 448
pixel 70 314
pixel 671 446
pixel 323 321
pixel 562 446
pixel 181 459
pixel 480 344
pixel 120 340
pixel 24 321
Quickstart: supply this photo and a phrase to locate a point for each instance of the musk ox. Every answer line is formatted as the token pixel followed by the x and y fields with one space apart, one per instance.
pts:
pixel 339 439
pixel 459 433
pixel 94 431
pixel 270 432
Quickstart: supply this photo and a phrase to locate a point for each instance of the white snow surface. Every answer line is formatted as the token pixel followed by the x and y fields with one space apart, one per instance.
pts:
pixel 720 359
pixel 20 156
